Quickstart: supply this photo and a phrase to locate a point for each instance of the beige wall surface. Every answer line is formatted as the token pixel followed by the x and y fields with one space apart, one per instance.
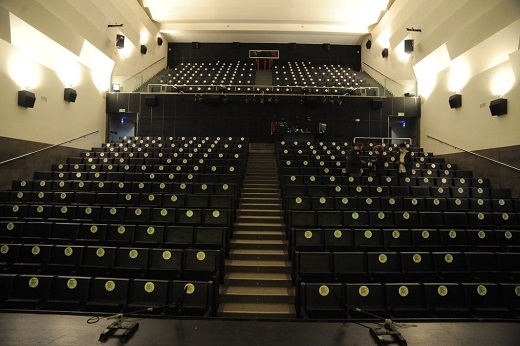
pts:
pixel 466 46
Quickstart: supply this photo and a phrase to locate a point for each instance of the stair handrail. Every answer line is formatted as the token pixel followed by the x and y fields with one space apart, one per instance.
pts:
pixel 473 153
pixel 47 148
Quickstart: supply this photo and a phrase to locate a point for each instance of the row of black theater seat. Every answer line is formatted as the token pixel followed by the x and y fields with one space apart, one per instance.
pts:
pixel 338 169
pixel 153 142
pixel 155 157
pixel 108 295
pixel 402 203
pixel 108 171
pixel 186 143
pixel 124 262
pixel 335 177
pixel 452 299
pixel 424 266
pixel 143 186
pixel 331 166
pixel 403 239
pixel 171 148
pixel 306 192
pixel 132 199
pixel 117 214
pixel 287 161
pixel 179 237
pixel 230 139
pixel 75 163
pixel 401 219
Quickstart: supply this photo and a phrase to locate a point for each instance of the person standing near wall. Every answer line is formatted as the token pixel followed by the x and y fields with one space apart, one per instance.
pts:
pixel 404 162
pixel 378 163
pixel 354 161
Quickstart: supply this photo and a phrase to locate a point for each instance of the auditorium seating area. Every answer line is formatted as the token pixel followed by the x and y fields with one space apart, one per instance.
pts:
pixel 440 243
pixel 314 77
pixel 137 223
pixel 206 75
pixel 287 78
pixel 144 224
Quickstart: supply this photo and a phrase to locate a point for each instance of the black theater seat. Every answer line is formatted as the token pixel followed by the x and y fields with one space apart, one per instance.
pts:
pixel 322 300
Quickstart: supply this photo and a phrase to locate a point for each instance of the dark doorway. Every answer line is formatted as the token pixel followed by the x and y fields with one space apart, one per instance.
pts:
pixel 121 124
pixel 400 129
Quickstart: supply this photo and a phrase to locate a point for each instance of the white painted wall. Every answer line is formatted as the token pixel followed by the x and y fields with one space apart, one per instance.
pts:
pixel 52 120
pixel 77 30
pixel 473 40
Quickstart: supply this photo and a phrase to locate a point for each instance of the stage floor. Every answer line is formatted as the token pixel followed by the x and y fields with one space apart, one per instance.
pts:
pixel 44 329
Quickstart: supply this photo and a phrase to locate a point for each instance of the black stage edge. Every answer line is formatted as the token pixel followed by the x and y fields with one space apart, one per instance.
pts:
pixel 51 329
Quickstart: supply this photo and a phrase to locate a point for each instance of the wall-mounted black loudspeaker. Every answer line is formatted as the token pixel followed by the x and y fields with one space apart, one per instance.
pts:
pixel 26 99
pixel 151 100
pixel 408 46
pixel 159 41
pixel 120 41
pixel 325 46
pixel 195 45
pixel 70 95
pixel 498 107
pixel 455 101
pixel 143 49
pixel 292 46
pixel 384 53
pixel 376 103
pixel 368 44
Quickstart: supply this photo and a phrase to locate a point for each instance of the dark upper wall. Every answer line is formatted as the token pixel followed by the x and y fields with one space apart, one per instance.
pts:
pixel 180 115
pixel 227 52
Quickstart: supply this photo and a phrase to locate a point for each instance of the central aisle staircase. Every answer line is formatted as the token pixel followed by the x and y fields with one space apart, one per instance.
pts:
pixel 258 281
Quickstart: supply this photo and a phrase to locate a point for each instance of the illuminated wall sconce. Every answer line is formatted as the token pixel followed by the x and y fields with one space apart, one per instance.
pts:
pixel 498 106
pixel 384 53
pixel 120 41
pixel 143 49
pixel 116 87
pixel 26 99
pixel 70 95
pixel 455 101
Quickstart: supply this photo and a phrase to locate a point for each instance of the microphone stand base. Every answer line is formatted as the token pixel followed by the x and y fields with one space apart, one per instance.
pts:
pixel 393 334
pixel 128 331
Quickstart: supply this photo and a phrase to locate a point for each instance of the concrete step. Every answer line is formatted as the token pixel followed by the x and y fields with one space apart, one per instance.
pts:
pixel 260 212
pixel 256 311
pixel 258 279
pixel 261 177
pixel 248 190
pixel 253 226
pixel 257 294
pixel 255 244
pixel 259 206
pixel 259 200
pixel 258 255
pixel 261 186
pixel 260 195
pixel 259 173
pixel 255 235
pixel 259 219
pixel 248 266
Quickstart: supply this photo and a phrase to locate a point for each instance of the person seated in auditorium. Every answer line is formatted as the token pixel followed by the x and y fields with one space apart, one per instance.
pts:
pixel 378 164
pixel 354 161
pixel 404 161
